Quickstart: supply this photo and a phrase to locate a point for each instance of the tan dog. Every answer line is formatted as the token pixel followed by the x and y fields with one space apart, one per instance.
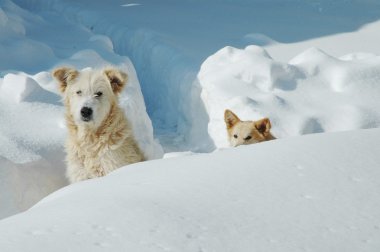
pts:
pixel 100 139
pixel 246 132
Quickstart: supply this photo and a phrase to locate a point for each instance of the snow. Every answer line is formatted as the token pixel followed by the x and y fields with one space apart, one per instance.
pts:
pixel 310 66
pixel 364 40
pixel 313 193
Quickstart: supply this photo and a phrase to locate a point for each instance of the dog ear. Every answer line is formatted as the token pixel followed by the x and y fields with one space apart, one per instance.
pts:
pixel 64 75
pixel 117 78
pixel 230 118
pixel 263 126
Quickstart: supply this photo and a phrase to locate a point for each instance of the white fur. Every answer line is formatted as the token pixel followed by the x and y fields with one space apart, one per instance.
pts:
pixel 104 143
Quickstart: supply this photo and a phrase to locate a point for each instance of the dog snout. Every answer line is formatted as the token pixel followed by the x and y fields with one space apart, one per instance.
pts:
pixel 86 113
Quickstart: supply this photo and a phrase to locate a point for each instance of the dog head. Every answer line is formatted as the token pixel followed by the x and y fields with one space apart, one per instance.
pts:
pixel 89 94
pixel 246 132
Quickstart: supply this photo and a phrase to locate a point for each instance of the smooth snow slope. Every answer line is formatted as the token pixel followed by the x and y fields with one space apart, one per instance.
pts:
pixel 312 193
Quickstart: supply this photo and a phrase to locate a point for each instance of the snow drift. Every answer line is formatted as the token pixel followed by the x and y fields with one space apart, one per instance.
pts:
pixel 314 193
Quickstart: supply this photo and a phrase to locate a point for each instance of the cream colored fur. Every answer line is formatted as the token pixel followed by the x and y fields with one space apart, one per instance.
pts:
pixel 96 147
pixel 246 132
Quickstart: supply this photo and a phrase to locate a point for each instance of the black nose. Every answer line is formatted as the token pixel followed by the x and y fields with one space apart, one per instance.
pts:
pixel 86 112
pixel 247 138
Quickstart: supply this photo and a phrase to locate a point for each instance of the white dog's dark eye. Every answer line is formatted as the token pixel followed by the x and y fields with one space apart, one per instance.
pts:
pixel 98 94
pixel 79 92
pixel 235 136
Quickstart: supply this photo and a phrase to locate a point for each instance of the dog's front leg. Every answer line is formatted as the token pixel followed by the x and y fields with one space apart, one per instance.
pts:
pixel 75 170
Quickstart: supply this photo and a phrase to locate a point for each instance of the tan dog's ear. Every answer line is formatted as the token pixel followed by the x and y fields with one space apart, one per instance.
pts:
pixel 117 78
pixel 263 126
pixel 64 75
pixel 230 118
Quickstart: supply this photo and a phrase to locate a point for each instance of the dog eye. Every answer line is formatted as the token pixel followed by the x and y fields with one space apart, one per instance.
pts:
pixel 79 92
pixel 247 138
pixel 98 94
pixel 235 136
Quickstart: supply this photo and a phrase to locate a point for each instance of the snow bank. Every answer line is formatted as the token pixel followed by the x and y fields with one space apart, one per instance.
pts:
pixel 17 88
pixel 24 184
pixel 16 46
pixel 313 93
pixel 315 193
pixel 363 41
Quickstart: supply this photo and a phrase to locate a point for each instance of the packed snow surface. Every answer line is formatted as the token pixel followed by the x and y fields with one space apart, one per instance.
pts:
pixel 314 193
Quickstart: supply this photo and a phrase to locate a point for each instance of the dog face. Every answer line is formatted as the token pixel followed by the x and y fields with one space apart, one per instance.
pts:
pixel 89 94
pixel 246 132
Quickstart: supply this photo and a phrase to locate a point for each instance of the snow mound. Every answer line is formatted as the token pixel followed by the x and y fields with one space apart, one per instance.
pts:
pixel 318 193
pixel 313 93
pixel 21 88
pixel 24 184
pixel 10 25
pixel 16 46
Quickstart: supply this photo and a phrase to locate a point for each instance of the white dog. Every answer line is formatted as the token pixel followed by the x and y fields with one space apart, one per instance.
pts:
pixel 100 139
